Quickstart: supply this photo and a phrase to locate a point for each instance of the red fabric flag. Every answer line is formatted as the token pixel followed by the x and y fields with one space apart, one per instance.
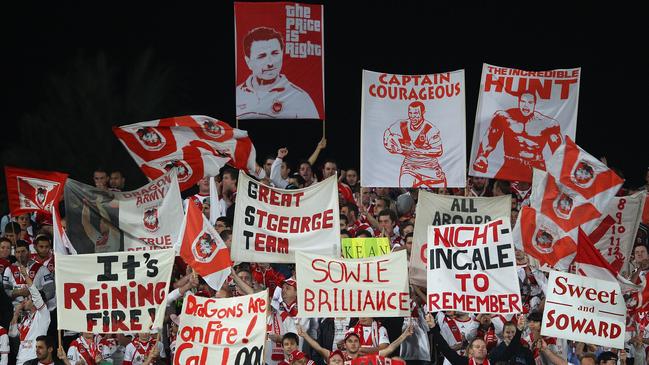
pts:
pixel 203 249
pixel 197 145
pixel 33 190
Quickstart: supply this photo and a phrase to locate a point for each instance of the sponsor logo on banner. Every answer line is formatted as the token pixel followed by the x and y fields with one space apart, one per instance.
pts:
pixel 204 249
pixel 212 129
pixel 151 140
pixel 583 175
pixel 151 222
pixel 584 309
pixel 470 268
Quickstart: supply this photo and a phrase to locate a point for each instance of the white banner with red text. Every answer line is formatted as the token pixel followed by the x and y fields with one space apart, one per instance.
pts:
pixel 584 309
pixel 413 130
pixel 373 287
pixel 470 268
pixel 271 225
pixel 120 292
pixel 436 210
pixel 222 331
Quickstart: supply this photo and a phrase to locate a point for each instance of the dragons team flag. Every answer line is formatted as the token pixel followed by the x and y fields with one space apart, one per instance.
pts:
pixel 279 60
pixel 202 248
pixel 522 118
pixel 196 145
pixel 413 130
pixel 32 190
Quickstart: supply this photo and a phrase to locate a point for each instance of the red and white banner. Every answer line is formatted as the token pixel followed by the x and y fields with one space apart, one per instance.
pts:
pixel 271 224
pixel 616 243
pixel 33 190
pixel 584 309
pixel 522 118
pixel 375 359
pixel 197 145
pixel 107 221
pixel 436 210
pixel 413 130
pixel 61 244
pixel 279 60
pixel 222 331
pixel 202 248
pixel 334 287
pixel 470 268
pixel 120 292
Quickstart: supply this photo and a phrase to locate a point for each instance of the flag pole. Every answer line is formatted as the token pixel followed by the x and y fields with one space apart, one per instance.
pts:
pixel 324 126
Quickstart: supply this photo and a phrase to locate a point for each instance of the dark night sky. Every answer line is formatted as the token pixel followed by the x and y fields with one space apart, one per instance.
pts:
pixel 196 41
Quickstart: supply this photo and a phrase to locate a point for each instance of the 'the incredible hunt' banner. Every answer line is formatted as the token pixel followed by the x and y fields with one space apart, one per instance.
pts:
pixel 271 225
pixel 144 219
pixel 279 60
pixel 375 286
pixel 584 309
pixel 470 268
pixel 222 331
pixel 436 210
pixel 413 130
pixel 522 118
pixel 121 292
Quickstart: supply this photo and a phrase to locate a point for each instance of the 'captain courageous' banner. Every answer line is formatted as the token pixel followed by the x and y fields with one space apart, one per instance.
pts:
pixel 271 225
pixel 472 268
pixel 413 130
pixel 437 210
pixel 121 292
pixel 375 287
pixel 584 309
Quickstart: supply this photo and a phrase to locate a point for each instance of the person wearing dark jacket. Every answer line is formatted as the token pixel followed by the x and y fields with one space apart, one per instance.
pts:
pixel 45 353
pixel 477 349
pixel 523 356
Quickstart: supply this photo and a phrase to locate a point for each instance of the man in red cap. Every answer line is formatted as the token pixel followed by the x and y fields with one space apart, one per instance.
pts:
pixel 298 357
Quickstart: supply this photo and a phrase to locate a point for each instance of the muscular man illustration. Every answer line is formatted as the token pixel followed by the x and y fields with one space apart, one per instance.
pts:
pixel 420 143
pixel 525 133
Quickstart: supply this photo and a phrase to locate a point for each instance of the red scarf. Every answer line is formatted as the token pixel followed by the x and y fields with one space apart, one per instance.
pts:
pixel 87 350
pixel 288 310
pixel 484 362
pixel 455 330
pixel 373 341
pixel 489 336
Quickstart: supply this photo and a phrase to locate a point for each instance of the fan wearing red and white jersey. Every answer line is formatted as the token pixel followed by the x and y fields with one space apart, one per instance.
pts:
pixel 34 322
pixel 458 329
pixel 84 350
pixel 143 350
pixel 14 282
pixel 373 336
pixel 4 346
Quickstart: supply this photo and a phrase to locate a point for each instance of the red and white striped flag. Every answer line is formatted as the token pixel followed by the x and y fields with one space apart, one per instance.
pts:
pixel 202 248
pixel 197 145
pixel 33 190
